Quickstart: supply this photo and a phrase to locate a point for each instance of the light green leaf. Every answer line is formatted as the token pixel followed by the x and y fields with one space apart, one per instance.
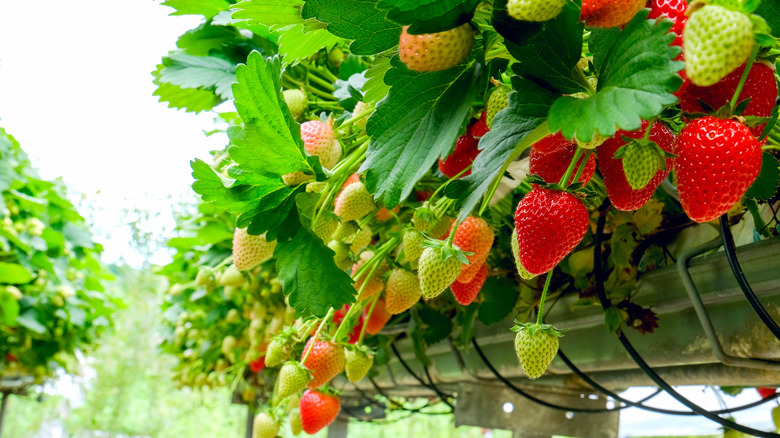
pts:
pixel 636 81
pixel 9 309
pixel 31 320
pixel 429 16
pixel 189 99
pixel 273 13
pixel 207 8
pixel 357 20
pixel 415 125
pixel 204 38
pixel 375 88
pixel 202 72
pixel 296 43
pixel 12 273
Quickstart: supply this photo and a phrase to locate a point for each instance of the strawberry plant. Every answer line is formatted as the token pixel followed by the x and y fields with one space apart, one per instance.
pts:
pixel 403 172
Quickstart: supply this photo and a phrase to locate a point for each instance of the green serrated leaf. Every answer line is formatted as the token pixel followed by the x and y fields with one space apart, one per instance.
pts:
pixel 275 14
pixel 31 320
pixel 9 309
pixel 357 20
pixel 514 31
pixel 296 43
pixel 375 88
pixel 415 125
pixel 599 43
pixel 437 326
pixel 765 186
pixel 514 129
pixel 189 99
pixel 429 16
pixel 549 57
pixel 201 72
pixel 310 276
pixel 204 38
pixel 207 8
pixel 499 296
pixel 636 81
pixel 12 273
pixel 769 10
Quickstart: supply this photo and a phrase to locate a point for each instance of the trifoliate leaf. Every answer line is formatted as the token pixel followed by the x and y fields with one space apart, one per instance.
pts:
pixel 310 276
pixel 357 20
pixel 429 16
pixel 549 56
pixel 437 326
pixel 204 38
pixel 207 8
pixel 499 296
pixel 12 273
pixel 189 99
pixel 636 81
pixel 415 125
pixel 201 72
pixel 296 43
pixel 765 186
pixel 509 137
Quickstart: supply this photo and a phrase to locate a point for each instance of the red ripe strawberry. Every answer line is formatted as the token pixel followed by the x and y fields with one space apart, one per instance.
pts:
pixel 435 51
pixel 325 361
pixel 257 365
pixel 480 128
pixel 609 13
pixel 765 392
pixel 552 143
pixel 339 315
pixel 673 10
pixel 717 160
pixel 378 318
pixel 465 152
pixel 551 166
pixel 549 225
pixel 318 410
pixel 621 194
pixel 403 291
pixel 318 140
pixel 465 293
pixel 760 87
pixel 473 235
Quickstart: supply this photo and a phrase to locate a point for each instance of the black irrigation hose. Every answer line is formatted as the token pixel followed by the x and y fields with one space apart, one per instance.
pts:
pixel 731 255
pixel 606 304
pixel 519 391
pixel 430 386
pixel 399 406
pixel 640 404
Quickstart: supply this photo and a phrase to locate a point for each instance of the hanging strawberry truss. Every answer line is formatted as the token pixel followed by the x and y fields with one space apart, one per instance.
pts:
pixel 437 165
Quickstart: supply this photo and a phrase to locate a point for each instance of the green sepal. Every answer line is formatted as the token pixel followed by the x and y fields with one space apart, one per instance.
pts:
pixel 534 328
pixel 447 250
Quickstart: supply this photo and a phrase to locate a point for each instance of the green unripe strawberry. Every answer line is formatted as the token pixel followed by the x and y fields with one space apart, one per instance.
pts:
pixel 361 239
pixel 534 10
pixel 296 101
pixel 593 143
pixel 536 346
pixel 354 202
pixel 346 231
pixel 228 344
pixel 412 240
pixel 295 422
pixel 291 380
pixel 250 250
pixel 403 291
pixel 425 221
pixel 361 108
pixel 231 277
pixel 498 100
pixel 716 41
pixel 276 353
pixel 641 160
pixel 295 178
pixel 438 270
pixel 342 254
pixel 326 226
pixel 358 364
pixel 515 244
pixel 265 426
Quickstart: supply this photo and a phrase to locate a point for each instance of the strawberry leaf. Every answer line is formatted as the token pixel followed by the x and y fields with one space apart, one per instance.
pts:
pixel 357 20
pixel 189 99
pixel 509 137
pixel 765 185
pixel 549 56
pixel 499 296
pixel 636 80
pixel 208 73
pixel 437 326
pixel 207 8
pixel 429 16
pixel 770 11
pixel 310 276
pixel 415 125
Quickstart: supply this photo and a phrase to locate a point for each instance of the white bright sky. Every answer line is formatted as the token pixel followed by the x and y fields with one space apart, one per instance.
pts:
pixel 76 91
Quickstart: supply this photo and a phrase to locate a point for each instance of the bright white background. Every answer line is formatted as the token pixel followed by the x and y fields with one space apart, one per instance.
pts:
pixel 76 92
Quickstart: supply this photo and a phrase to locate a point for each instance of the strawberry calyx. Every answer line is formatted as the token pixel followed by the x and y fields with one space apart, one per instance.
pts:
pixel 448 249
pixel 576 188
pixel 534 327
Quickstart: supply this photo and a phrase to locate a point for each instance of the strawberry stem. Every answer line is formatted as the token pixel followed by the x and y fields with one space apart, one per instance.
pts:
pixel 748 66
pixel 458 175
pixel 317 334
pixel 580 77
pixel 544 296
pixel 565 178
pixel 368 317
pixel 326 86
pixel 582 166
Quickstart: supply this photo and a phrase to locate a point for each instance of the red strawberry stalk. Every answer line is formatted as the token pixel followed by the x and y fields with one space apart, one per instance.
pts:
pixel 324 320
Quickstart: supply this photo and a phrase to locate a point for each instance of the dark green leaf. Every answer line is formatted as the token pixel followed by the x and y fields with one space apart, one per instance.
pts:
pixel 437 326
pixel 525 114
pixel 32 321
pixel 636 81
pixel 207 8
pixel 599 43
pixel 416 328
pixel 76 315
pixel 310 276
pixel 499 296
pixel 550 56
pixel 204 38
pixel 429 16
pixel 514 31
pixel 415 125
pixel 765 186
pixel 613 319
pixel 466 317
pixel 12 273
pixel 357 20
pixel 623 243
pixel 199 72
pixel 769 10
